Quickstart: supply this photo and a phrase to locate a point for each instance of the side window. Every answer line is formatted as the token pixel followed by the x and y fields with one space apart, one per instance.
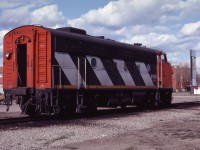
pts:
pixel 164 58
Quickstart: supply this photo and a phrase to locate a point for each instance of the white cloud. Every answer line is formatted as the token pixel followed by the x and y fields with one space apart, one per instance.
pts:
pixel 173 57
pixel 139 12
pixel 127 33
pixel 180 10
pixel 122 12
pixel 11 3
pixel 48 16
pixel 190 9
pixel 191 29
pixel 198 62
pixel 152 39
pixel 2 33
pixel 197 47
pixel 176 6
pixel 14 14
pixel 169 25
pixel 162 24
pixel 5 4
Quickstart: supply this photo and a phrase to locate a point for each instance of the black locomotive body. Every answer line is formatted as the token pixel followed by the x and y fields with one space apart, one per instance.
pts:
pixel 76 72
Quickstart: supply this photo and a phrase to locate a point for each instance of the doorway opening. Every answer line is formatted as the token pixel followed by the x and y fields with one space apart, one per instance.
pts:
pixel 22 64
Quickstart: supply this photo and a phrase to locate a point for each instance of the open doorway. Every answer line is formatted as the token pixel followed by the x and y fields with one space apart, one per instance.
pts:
pixel 22 64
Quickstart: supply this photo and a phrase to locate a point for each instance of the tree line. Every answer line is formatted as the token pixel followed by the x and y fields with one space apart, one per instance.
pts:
pixel 182 76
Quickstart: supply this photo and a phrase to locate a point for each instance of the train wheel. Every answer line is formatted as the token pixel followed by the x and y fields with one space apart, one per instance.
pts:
pixel 166 100
pixel 169 98
pixel 31 111
pixel 91 110
pixel 28 108
pixel 91 105
pixel 123 106
pixel 167 103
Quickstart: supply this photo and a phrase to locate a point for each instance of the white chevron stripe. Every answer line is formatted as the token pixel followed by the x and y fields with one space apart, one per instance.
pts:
pixel 125 74
pixel 144 73
pixel 100 72
pixel 69 68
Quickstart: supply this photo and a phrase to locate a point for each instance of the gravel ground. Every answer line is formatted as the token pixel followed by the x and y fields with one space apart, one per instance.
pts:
pixel 130 130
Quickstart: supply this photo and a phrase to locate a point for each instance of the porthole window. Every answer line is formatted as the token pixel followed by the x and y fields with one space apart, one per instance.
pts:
pixel 93 62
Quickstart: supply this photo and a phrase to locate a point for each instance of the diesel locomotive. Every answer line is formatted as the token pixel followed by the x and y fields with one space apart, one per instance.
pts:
pixel 65 70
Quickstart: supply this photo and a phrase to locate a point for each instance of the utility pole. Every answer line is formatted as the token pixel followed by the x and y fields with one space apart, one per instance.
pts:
pixel 193 70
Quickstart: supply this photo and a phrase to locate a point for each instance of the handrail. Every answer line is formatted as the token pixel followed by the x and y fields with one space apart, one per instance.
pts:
pixel 53 76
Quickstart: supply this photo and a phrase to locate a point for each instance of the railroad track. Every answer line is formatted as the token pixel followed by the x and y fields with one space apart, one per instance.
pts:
pixel 14 120
pixel 100 113
pixel 25 119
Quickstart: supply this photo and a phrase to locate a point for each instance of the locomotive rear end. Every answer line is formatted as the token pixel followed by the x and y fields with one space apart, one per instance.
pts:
pixel 27 64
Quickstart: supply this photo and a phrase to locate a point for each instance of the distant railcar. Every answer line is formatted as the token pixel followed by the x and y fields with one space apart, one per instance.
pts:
pixel 64 70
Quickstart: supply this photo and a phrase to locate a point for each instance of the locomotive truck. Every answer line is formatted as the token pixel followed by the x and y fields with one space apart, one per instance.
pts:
pixel 65 70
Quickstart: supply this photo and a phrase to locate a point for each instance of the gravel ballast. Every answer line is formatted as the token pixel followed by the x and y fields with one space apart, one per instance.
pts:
pixel 58 134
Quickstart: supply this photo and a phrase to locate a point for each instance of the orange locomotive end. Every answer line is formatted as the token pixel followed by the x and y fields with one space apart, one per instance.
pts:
pixel 164 79
pixel 27 58
pixel 164 72
pixel 167 75
pixel 26 64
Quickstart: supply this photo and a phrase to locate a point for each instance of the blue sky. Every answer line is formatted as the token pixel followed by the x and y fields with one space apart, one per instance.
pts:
pixel 75 8
pixel 170 25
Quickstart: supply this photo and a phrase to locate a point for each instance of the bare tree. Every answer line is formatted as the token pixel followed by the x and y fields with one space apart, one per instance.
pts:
pixel 198 79
pixel 182 76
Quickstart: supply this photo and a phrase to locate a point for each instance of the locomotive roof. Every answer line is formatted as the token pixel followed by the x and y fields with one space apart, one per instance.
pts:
pixel 114 46
pixel 101 41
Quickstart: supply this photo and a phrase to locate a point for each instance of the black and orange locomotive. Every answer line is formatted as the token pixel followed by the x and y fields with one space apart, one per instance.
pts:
pixel 49 71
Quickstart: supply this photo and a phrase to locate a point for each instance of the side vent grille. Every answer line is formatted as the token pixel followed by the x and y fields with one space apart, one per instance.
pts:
pixel 42 58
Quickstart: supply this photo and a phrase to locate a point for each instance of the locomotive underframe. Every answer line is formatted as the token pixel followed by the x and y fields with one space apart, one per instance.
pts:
pixel 67 101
